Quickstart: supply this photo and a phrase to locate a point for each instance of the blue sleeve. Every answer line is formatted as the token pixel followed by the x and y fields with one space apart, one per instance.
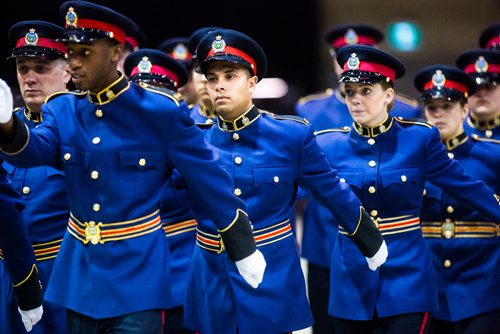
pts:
pixel 317 176
pixel 210 185
pixel 449 175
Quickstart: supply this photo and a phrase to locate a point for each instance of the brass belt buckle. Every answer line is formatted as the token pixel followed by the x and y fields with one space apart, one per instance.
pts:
pixel 93 233
pixel 448 229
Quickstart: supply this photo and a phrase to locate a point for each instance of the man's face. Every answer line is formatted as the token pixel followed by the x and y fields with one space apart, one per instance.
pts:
pixel 39 78
pixel 485 102
pixel 93 65
pixel 230 88
pixel 448 116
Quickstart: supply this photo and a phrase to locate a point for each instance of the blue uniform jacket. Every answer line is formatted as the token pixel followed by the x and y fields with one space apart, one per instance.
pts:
pixel 387 172
pixel 46 214
pixel 490 129
pixel 117 149
pixel 326 111
pixel 268 156
pixel 464 243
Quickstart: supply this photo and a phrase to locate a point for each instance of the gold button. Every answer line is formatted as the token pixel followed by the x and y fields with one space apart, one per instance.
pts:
pixel 450 209
pixel 96 140
pixel 451 155
pixel 26 190
pixel 236 136
pixel 98 113
pixel 403 178
pixel 342 180
pixel 96 207
pixel 424 192
pixel 276 179
pixel 142 162
pixel 94 175
pixel 371 141
pixel 447 263
pixel 238 160
pixel 67 156
pixel 371 190
pixel 374 213
pixel 488 133
pixel 372 163
pixel 237 191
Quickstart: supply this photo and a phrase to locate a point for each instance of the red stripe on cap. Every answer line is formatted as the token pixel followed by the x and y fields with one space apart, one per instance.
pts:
pixel 44 43
pixel 448 84
pixel 374 67
pixel 494 41
pixel 340 42
pixel 118 33
pixel 492 68
pixel 132 42
pixel 155 69
pixel 229 50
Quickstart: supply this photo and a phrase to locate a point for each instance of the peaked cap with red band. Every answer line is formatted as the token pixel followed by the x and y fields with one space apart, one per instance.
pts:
pixel 366 64
pixel 232 46
pixel 177 48
pixel 145 65
pixel 353 33
pixel 444 82
pixel 490 37
pixel 87 22
pixel 482 64
pixel 36 39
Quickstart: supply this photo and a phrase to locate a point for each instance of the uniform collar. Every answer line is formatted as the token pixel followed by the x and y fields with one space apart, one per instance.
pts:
pixel 34 116
pixel 239 123
pixel 483 125
pixel 111 92
pixel 452 143
pixel 374 130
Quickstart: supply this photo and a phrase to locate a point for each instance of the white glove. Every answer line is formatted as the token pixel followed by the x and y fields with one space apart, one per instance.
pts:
pixel 6 104
pixel 379 258
pixel 252 268
pixel 31 317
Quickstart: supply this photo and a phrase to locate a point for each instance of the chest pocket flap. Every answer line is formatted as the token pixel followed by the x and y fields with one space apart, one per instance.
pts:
pixel 8 168
pixel 400 176
pixel 352 177
pixel 140 160
pixel 274 174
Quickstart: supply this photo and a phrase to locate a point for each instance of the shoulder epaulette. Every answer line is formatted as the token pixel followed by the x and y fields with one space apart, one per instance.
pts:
pixel 345 129
pixel 489 140
pixel 406 99
pixel 162 91
pixel 317 96
pixel 418 121
pixel 77 93
pixel 287 117
pixel 205 126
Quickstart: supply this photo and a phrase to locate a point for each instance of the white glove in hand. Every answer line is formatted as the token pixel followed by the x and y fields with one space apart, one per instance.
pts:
pixel 379 258
pixel 252 268
pixel 31 317
pixel 6 104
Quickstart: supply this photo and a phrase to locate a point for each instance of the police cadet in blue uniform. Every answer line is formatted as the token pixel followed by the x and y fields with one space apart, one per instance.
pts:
pixel 41 71
pixel 116 142
pixel 463 242
pixel 268 156
pixel 484 104
pixel 490 37
pixel 203 110
pixel 328 110
pixel 153 67
pixel 177 48
pixel 386 160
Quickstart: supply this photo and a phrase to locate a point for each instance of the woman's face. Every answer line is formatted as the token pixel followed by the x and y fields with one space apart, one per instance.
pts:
pixel 447 116
pixel 368 103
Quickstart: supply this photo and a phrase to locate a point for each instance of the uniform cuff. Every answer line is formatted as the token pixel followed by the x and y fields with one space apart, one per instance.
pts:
pixel 367 237
pixel 29 291
pixel 15 143
pixel 238 237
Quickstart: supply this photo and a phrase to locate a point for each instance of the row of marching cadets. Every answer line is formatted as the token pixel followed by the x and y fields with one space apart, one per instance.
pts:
pixel 453 269
pixel 141 252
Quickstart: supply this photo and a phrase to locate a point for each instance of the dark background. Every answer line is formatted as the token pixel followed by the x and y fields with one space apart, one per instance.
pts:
pixel 286 30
